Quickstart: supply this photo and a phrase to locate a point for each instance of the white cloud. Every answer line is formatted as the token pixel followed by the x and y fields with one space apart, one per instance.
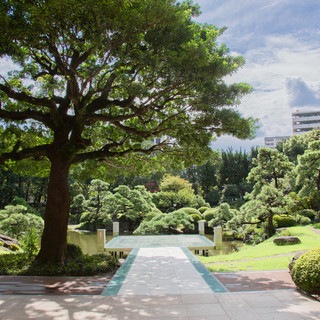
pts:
pixel 279 44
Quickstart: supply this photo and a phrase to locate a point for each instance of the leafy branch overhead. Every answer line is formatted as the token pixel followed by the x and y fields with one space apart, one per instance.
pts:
pixel 102 87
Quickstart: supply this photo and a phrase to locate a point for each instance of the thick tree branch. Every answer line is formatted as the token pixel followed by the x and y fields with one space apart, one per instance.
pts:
pixel 105 152
pixel 28 114
pixel 35 152
pixel 102 103
pixel 23 97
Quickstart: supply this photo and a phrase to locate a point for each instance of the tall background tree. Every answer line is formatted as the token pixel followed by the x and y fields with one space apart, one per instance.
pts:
pixel 95 80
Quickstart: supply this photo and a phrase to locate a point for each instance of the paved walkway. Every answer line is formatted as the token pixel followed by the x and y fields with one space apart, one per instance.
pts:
pixel 271 305
pixel 170 270
pixel 163 283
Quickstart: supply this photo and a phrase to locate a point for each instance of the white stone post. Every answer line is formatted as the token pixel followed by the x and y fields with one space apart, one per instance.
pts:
pixel 101 239
pixel 201 226
pixel 218 237
pixel 115 228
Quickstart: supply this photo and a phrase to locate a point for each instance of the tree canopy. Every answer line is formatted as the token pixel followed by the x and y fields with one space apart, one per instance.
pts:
pixel 97 80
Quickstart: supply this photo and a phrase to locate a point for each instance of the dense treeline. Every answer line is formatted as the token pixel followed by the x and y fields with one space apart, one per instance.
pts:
pixel 252 193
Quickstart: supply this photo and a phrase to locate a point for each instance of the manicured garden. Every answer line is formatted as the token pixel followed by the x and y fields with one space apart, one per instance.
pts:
pixel 264 256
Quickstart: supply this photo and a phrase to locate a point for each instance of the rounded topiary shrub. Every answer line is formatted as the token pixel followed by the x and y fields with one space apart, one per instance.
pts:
pixel 284 221
pixel 208 215
pixel 191 211
pixel 203 209
pixel 195 217
pixel 306 271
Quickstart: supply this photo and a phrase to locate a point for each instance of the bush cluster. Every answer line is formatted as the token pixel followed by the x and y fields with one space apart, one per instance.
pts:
pixel 284 221
pixel 76 264
pixel 306 271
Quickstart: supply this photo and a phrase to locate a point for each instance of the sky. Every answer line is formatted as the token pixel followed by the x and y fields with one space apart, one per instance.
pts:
pixel 280 41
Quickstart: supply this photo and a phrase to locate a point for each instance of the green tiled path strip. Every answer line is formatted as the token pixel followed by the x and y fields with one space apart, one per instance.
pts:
pixel 164 270
pixel 188 241
pixel 211 280
pixel 116 282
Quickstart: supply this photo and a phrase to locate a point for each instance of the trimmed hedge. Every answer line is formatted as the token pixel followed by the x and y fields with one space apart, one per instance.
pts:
pixel 306 271
pixel 190 211
pixel 284 221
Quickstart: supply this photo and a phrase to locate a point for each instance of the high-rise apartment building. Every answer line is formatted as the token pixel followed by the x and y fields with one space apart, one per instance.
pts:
pixel 271 142
pixel 303 121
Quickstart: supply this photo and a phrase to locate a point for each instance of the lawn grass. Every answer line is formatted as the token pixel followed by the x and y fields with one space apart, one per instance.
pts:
pixel 309 239
pixel 316 225
pixel 271 263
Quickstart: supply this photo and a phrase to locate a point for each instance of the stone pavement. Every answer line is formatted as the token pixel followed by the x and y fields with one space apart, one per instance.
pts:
pixel 168 270
pixel 164 283
pixel 271 305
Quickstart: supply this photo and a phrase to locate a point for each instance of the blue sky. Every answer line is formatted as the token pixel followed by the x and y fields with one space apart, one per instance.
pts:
pixel 280 41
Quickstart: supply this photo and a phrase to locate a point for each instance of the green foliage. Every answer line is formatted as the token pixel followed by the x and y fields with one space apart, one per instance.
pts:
pixel 202 210
pixel 196 217
pixel 103 206
pixel 76 264
pixel 213 197
pixel 191 211
pixel 16 222
pixel 262 207
pixel 176 193
pixel 317 225
pixel 73 252
pixel 293 147
pixel 166 223
pixel 303 220
pixel 209 214
pixel 285 233
pixel 308 168
pixel 282 221
pixel 222 215
pixel 306 271
pixel 270 166
pixel 31 243
pixel 311 214
pixel 234 168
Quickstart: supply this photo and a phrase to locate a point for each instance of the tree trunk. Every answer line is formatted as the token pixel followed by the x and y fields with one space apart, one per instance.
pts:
pixel 270 228
pixel 54 237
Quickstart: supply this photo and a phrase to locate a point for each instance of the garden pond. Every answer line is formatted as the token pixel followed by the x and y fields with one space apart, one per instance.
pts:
pixel 87 241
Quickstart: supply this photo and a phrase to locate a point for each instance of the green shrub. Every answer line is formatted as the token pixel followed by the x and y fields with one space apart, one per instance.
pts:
pixel 306 271
pixel 285 233
pixel 16 222
pixel 73 252
pixel 208 215
pixel 303 220
pixel 191 211
pixel 284 221
pixel 307 213
pixel 149 216
pixel 203 209
pixel 81 265
pixel 195 217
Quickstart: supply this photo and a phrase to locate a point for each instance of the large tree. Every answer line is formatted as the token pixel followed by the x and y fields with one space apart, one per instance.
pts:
pixel 95 80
